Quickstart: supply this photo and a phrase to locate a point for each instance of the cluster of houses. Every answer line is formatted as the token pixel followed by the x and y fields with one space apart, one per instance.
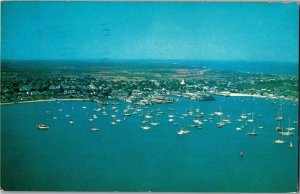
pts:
pixel 147 91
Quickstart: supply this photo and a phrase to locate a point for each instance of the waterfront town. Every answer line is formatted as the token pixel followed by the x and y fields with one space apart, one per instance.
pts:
pixel 141 85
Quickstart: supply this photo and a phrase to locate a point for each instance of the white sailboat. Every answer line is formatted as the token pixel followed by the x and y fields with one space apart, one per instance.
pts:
pixel 261 125
pixel 197 109
pixel 42 126
pixel 279 116
pixel 279 141
pixel 227 120
pixel 290 128
pixel 253 132
pixel 238 128
pixel 218 113
pixel 220 124
pixel 199 122
pixel 182 131
pixel 94 129
pixel 252 119
pixel 126 114
pixel 146 127
pixel 243 116
pixel 171 115
pixel 155 123
pixel 148 116
pixel 118 120
pixel 170 120
pixel 145 121
pixel 286 132
pixel 98 109
pixel 190 113
pixel 160 113
pixel 278 128
pixel 104 113
pixel 291 145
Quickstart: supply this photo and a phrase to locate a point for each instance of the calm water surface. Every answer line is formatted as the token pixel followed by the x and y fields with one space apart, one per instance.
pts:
pixel 124 157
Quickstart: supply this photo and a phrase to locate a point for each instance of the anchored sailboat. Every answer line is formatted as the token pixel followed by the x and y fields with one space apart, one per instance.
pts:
pixel 146 127
pixel 182 131
pixel 286 132
pixel 291 145
pixel 279 116
pixel 42 126
pixel 253 132
pixel 290 128
pixel 279 141
pixel 252 119
pixel 278 128
pixel 155 123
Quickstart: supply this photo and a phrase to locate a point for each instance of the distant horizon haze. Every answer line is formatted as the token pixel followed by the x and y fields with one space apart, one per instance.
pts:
pixel 280 68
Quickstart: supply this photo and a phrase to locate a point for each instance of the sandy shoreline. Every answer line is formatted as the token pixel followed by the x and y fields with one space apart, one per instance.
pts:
pixel 249 95
pixel 49 100
pixel 253 95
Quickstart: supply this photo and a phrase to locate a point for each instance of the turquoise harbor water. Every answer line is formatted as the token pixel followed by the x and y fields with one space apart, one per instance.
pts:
pixel 124 157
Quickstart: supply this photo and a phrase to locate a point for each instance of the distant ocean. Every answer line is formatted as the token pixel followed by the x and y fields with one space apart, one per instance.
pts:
pixel 242 66
pixel 124 157
pixel 256 67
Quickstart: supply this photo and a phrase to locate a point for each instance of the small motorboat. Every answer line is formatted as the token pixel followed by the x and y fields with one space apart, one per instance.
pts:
pixel 277 128
pixel 279 141
pixel 197 121
pixel 154 123
pixel 118 120
pixel 170 120
pixel 218 113
pixel 42 126
pixel 146 127
pixel 182 131
pixel 94 129
pixel 238 128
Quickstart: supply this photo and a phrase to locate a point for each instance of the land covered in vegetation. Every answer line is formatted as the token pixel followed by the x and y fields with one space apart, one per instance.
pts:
pixel 153 83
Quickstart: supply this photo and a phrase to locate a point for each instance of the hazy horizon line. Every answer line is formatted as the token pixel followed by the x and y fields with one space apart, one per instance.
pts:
pixel 142 60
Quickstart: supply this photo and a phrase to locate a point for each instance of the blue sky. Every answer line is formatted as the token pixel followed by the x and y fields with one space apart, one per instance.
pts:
pixel 156 30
